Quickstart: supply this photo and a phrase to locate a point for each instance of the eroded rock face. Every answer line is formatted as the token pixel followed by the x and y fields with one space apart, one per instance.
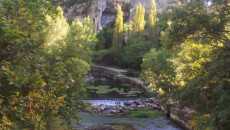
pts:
pixel 103 12
pixel 115 76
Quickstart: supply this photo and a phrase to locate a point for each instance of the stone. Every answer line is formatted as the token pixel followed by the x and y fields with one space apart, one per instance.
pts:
pixel 128 103
pixel 125 108
pixel 141 106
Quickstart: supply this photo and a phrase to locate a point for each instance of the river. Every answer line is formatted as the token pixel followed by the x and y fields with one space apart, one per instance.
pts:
pixel 117 77
pixel 89 120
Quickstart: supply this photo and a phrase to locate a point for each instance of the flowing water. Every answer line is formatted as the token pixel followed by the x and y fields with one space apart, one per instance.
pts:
pixel 89 119
pixel 107 102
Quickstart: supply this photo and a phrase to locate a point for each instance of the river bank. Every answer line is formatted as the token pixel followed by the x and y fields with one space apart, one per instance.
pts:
pixel 107 108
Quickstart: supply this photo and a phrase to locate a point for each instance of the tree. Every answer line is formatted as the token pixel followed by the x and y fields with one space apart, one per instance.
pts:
pixel 132 53
pixel 152 29
pixel 190 60
pixel 194 59
pixel 138 22
pixel 119 28
pixel 57 28
pixel 158 71
pixel 41 69
pixel 81 39
pixel 152 16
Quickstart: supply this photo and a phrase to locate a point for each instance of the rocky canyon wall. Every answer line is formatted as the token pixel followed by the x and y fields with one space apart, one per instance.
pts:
pixel 103 12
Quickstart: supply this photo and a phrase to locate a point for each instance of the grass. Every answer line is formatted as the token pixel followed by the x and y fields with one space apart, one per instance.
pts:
pixel 145 113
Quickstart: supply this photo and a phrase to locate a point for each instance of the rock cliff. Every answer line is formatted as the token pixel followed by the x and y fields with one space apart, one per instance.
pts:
pixel 103 11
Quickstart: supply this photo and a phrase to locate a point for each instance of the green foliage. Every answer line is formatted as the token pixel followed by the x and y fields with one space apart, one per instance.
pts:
pixel 42 66
pixel 211 89
pixel 107 56
pixel 158 70
pixel 131 55
pixel 81 39
pixel 193 59
pixel 193 20
pixel 130 40
pixel 202 122
pixel 105 37
pixel 190 60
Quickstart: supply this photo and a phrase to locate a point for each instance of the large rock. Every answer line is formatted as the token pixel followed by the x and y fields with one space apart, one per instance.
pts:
pixel 182 115
pixel 113 76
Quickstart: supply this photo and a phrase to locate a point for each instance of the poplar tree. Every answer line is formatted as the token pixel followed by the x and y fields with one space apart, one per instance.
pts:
pixel 119 28
pixel 138 23
pixel 152 17
pixel 151 28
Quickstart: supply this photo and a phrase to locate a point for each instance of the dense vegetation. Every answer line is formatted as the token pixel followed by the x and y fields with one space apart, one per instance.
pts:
pixel 191 64
pixel 43 63
pixel 130 40
pixel 183 53
pixel 188 62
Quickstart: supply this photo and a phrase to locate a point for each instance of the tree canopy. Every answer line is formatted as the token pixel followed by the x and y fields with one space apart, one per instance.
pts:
pixel 42 67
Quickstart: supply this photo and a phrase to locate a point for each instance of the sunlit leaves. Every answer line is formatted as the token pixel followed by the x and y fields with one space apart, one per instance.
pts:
pixel 138 22
pixel 118 29
pixel 57 28
pixel 152 16
pixel 83 33
pixel 80 39
pixel 190 60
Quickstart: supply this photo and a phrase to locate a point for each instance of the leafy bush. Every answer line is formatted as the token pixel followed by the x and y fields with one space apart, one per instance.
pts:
pixel 190 59
pixel 106 56
pixel 105 38
pixel 158 70
pixel 131 55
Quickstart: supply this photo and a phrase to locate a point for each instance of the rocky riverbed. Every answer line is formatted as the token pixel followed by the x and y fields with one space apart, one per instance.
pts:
pixel 121 106
pixel 114 115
